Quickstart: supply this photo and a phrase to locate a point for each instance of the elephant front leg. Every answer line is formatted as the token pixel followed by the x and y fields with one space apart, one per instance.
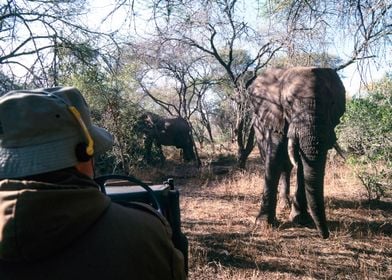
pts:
pixel 273 168
pixel 160 153
pixel 284 187
pixel 310 194
pixel 299 213
pixel 147 149
pixel 187 154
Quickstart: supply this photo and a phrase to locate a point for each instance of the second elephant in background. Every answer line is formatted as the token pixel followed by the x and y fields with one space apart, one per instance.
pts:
pixel 173 131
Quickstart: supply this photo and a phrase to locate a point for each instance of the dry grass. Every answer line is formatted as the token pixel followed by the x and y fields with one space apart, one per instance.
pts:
pixel 218 217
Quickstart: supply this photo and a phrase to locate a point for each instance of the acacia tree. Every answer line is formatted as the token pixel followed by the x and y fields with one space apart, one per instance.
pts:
pixel 169 76
pixel 218 29
pixel 47 43
pixel 108 91
pixel 33 33
pixel 362 28
pixel 176 81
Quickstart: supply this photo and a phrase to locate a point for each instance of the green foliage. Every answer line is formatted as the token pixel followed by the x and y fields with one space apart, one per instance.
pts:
pixel 119 117
pixel 111 108
pixel 7 84
pixel 366 133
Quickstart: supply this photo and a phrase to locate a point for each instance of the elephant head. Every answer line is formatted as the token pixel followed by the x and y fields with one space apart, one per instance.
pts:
pixel 146 124
pixel 296 111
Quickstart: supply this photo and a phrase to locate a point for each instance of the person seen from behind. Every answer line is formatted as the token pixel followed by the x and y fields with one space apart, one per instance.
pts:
pixel 54 221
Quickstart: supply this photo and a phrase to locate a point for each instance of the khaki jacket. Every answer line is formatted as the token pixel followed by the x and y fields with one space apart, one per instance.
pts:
pixel 72 231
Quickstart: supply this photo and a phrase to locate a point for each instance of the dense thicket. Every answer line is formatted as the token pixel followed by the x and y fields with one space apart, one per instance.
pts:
pixel 366 133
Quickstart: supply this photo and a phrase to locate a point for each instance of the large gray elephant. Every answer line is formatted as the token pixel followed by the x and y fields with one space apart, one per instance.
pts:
pixel 168 132
pixel 296 111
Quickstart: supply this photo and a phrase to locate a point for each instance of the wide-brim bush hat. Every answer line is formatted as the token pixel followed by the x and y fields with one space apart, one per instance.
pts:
pixel 39 133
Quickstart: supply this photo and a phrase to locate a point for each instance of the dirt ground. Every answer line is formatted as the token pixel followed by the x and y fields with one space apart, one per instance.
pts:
pixel 219 205
pixel 218 217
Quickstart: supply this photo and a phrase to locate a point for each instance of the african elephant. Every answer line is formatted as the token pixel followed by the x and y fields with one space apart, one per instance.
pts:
pixel 168 132
pixel 295 113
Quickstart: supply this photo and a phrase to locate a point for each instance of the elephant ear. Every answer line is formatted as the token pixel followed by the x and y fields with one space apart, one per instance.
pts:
pixel 335 92
pixel 265 97
pixel 309 90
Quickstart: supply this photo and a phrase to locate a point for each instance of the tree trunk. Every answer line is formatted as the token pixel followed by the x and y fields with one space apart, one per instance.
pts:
pixel 244 150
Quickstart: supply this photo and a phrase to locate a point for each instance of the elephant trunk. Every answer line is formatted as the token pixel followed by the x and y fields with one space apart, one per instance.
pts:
pixel 308 150
pixel 313 174
pixel 313 152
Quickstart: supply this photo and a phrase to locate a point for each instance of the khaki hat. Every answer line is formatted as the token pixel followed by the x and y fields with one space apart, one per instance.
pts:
pixel 39 133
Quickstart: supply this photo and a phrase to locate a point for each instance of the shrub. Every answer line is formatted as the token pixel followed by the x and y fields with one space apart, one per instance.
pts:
pixel 366 133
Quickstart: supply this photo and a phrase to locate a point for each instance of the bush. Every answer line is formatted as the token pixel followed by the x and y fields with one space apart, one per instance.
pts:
pixel 120 116
pixel 366 133
pixel 112 108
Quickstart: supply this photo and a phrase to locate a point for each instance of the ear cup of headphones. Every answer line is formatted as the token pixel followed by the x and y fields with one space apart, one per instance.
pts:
pixel 81 152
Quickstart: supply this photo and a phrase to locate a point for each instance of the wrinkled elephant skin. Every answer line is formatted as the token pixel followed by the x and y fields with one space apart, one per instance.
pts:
pixel 167 132
pixel 296 111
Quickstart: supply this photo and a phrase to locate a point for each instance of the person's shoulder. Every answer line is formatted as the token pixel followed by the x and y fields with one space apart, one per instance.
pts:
pixel 139 211
pixel 144 208
pixel 143 230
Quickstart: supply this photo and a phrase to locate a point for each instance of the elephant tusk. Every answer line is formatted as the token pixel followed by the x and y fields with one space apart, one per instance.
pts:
pixel 339 150
pixel 291 152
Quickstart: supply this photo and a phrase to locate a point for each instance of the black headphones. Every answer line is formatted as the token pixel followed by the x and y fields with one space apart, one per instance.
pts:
pixel 84 151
